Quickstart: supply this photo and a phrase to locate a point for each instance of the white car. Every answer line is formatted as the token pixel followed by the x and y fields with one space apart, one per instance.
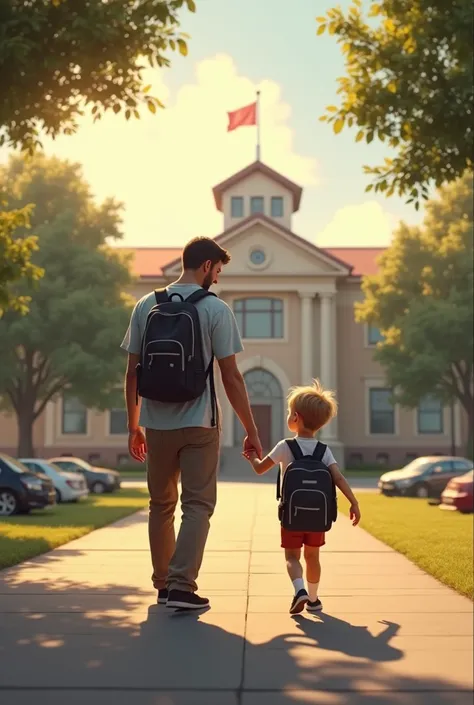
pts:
pixel 69 487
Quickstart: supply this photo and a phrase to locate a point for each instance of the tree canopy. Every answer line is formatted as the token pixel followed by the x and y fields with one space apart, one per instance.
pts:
pixel 408 82
pixel 78 314
pixel 15 254
pixel 422 300
pixel 57 57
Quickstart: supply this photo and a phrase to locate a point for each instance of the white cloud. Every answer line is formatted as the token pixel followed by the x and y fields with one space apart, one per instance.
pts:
pixel 163 167
pixel 360 225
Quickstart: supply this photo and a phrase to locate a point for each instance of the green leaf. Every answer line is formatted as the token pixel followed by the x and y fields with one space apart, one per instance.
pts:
pixel 369 188
pixel 338 125
pixel 191 5
pixel 331 109
pixel 151 106
pixel 321 29
pixel 128 114
pixel 370 137
pixel 147 88
pixel 360 136
pixel 117 108
pixel 320 19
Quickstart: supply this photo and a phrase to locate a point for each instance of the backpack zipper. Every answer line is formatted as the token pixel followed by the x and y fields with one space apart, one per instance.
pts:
pixel 296 508
pixel 169 340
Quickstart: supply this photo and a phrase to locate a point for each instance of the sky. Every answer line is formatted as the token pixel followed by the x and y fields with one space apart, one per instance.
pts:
pixel 163 167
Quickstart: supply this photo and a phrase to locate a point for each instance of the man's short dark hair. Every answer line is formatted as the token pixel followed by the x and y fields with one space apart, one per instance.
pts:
pixel 202 249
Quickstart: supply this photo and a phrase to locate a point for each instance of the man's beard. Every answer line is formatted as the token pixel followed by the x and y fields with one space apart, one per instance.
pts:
pixel 208 281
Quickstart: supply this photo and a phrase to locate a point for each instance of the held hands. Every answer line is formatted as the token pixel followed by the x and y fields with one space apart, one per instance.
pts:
pixel 354 514
pixel 252 444
pixel 137 445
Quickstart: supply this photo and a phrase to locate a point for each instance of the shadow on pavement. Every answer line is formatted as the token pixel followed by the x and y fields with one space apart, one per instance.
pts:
pixel 61 635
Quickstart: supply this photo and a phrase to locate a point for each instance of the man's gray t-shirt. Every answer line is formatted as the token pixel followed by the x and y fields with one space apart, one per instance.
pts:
pixel 220 336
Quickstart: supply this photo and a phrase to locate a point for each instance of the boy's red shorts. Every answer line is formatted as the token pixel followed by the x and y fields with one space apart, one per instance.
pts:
pixel 296 539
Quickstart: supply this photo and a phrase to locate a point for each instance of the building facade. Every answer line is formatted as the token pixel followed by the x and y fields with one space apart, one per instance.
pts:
pixel 294 303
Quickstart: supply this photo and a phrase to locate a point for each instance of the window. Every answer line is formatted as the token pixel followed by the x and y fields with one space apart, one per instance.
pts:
pixel 259 318
pixel 256 204
pixel 410 456
pixel 382 412
pixel 374 335
pixel 382 458
pixel 237 207
pixel 118 422
pixel 464 465
pixel 257 257
pixel 277 207
pixel 355 459
pixel 93 458
pixel 74 416
pixel 430 415
pixel 445 466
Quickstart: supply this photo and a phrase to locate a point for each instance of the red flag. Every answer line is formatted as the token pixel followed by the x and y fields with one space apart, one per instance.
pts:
pixel 242 116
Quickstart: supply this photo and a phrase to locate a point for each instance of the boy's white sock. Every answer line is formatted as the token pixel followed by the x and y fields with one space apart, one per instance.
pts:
pixel 313 591
pixel 299 585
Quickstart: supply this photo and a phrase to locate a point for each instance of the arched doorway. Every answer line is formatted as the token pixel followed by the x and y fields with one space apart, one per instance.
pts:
pixel 266 399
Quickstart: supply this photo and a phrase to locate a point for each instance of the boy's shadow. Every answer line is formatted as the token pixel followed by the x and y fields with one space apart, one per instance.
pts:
pixel 333 634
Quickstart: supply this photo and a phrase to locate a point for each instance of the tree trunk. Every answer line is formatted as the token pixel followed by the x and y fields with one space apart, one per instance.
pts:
pixel 25 434
pixel 470 432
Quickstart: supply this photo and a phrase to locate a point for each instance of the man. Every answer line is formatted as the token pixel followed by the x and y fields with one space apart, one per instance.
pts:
pixel 181 438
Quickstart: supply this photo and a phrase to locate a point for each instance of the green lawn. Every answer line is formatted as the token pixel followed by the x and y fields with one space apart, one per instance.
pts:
pixel 439 542
pixel 23 537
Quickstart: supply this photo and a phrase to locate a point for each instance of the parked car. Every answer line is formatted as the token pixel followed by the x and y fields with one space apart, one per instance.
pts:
pixel 22 490
pixel 459 494
pixel 68 486
pixel 99 480
pixel 423 477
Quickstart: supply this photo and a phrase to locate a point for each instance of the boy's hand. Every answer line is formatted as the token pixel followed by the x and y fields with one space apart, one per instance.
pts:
pixel 250 454
pixel 354 513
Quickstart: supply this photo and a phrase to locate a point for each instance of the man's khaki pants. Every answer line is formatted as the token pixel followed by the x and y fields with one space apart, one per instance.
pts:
pixel 194 453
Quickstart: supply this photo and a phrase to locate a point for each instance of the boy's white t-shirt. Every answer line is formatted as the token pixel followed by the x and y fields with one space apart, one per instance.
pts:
pixel 282 454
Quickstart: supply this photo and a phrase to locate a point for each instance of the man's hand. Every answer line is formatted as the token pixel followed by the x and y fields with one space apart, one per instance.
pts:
pixel 137 445
pixel 354 513
pixel 252 442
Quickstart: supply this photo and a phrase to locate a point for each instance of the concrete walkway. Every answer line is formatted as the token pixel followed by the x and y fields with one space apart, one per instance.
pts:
pixel 79 625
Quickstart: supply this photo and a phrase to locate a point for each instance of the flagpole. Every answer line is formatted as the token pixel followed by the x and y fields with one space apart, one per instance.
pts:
pixel 258 126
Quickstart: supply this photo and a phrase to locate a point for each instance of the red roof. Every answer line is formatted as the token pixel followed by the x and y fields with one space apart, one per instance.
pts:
pixel 150 261
pixel 363 259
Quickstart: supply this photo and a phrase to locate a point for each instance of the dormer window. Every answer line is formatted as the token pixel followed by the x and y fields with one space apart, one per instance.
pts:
pixel 256 205
pixel 237 207
pixel 277 207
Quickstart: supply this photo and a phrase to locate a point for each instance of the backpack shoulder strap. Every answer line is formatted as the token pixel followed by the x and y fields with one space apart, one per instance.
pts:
pixel 161 296
pixel 294 447
pixel 318 452
pixel 198 295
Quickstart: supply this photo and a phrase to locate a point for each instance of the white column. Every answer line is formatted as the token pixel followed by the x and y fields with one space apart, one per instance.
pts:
pixel 328 354
pixel 49 424
pixel 306 337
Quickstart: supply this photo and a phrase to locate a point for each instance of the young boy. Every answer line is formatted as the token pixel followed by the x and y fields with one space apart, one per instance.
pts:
pixel 309 409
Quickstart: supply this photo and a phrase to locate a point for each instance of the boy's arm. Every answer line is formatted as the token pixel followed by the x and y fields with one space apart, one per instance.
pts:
pixel 341 483
pixel 260 466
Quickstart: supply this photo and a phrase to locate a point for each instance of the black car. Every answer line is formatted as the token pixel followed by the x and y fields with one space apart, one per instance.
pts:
pixel 424 477
pixel 22 490
pixel 99 480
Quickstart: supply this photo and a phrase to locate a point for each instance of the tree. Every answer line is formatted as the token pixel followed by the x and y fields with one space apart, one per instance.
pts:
pixel 70 339
pixel 409 82
pixel 422 300
pixel 15 254
pixel 57 57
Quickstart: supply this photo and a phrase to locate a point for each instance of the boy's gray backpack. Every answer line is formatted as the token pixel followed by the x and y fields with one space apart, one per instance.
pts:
pixel 308 501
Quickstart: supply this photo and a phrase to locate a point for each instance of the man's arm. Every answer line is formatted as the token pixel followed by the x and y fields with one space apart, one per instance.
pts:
pixel 341 482
pixel 136 436
pixel 236 391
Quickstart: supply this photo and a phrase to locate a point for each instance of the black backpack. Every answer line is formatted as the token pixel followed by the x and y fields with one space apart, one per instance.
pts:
pixel 171 367
pixel 308 500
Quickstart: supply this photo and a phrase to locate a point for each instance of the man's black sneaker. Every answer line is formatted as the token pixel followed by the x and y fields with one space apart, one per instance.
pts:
pixel 299 601
pixel 181 599
pixel 162 596
pixel 315 606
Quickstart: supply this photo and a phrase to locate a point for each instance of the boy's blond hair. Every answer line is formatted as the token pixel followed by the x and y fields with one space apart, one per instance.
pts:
pixel 316 405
